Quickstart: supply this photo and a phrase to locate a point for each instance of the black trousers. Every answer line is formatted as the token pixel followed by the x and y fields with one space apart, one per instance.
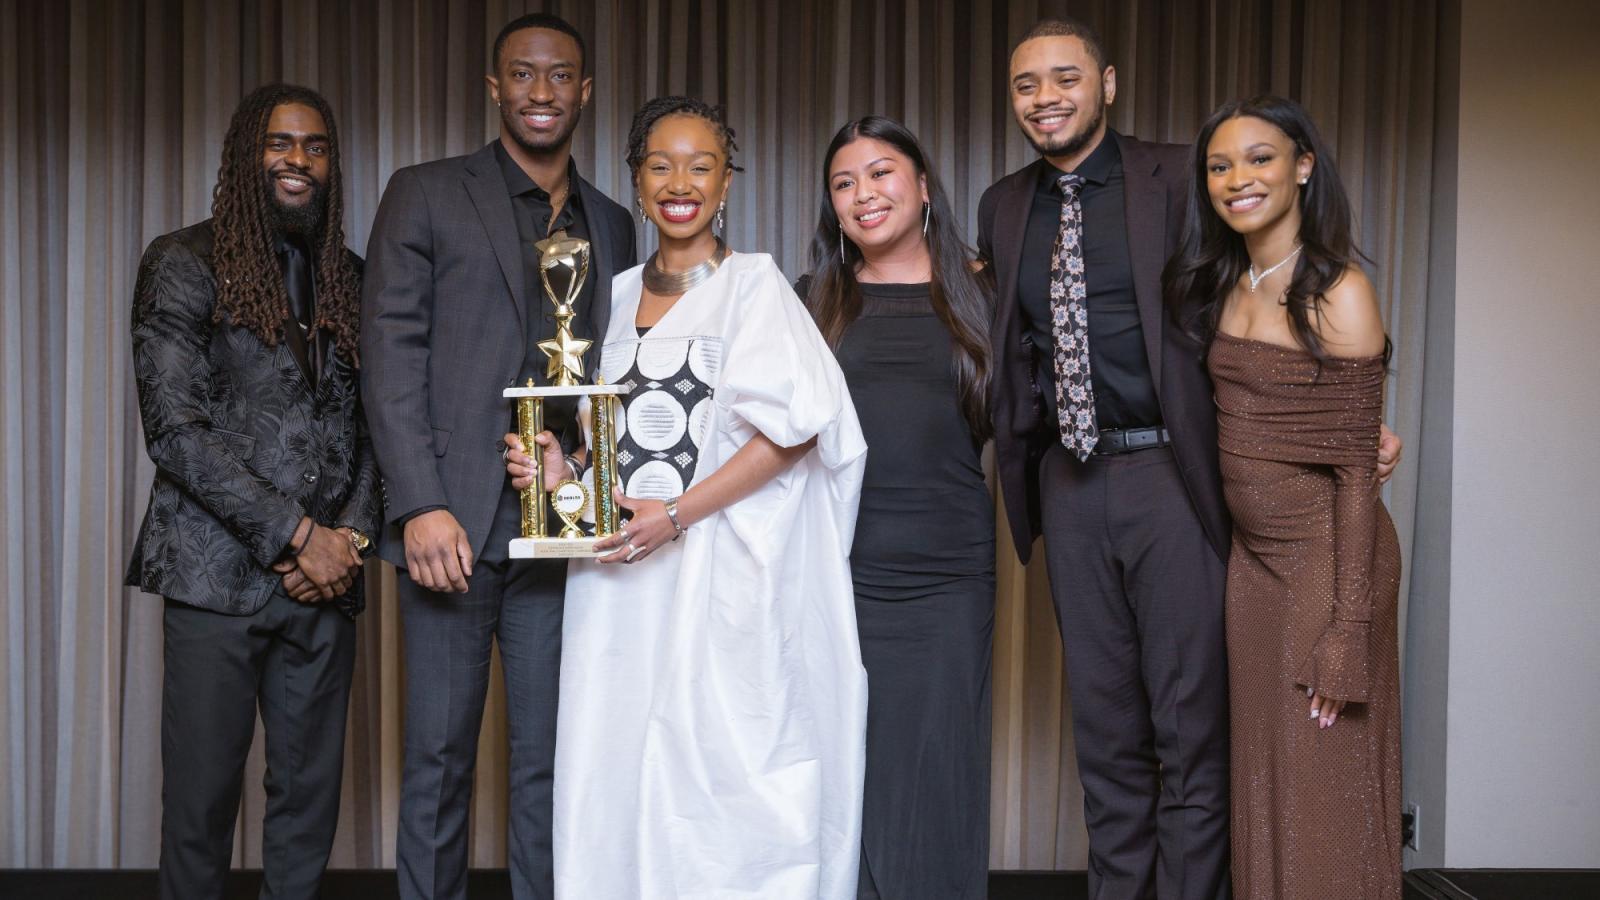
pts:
pixel 295 662
pixel 448 640
pixel 1138 593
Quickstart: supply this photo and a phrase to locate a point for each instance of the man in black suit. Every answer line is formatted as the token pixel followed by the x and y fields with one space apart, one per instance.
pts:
pixel 454 310
pixel 244 347
pixel 1106 445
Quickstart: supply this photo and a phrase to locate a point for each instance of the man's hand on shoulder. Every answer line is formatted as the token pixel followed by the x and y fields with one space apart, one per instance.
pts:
pixel 1389 450
pixel 438 554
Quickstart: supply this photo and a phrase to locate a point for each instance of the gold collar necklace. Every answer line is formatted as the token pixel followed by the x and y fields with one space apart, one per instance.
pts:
pixel 665 284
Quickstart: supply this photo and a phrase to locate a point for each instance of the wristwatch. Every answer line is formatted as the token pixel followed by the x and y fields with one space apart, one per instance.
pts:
pixel 361 542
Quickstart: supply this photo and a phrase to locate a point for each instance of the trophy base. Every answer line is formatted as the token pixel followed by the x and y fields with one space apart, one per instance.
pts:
pixel 553 548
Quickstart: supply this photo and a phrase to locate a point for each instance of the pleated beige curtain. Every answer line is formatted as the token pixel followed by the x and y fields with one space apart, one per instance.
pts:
pixel 111 122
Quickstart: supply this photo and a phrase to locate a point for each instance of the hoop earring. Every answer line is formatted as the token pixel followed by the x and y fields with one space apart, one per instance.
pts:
pixel 927 212
pixel 721 223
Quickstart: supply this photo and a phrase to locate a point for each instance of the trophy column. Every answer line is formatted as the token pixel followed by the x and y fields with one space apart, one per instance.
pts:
pixel 530 421
pixel 605 464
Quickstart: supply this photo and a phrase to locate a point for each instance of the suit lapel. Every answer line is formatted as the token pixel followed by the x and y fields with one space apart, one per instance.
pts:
pixel 600 272
pixel 1010 226
pixel 327 351
pixel 299 351
pixel 1145 199
pixel 487 188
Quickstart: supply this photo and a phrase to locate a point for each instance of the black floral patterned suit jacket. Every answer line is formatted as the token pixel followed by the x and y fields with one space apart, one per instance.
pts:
pixel 243 445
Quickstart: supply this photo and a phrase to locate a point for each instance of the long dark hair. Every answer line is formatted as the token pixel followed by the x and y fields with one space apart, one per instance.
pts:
pixel 1212 257
pixel 961 298
pixel 250 288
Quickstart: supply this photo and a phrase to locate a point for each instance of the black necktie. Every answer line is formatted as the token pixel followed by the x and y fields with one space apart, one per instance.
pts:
pixel 302 292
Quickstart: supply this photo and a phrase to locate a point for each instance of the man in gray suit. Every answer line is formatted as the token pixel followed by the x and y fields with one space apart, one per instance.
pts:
pixel 453 310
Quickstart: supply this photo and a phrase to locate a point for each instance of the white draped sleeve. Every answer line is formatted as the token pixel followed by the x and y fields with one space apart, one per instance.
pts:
pixel 780 378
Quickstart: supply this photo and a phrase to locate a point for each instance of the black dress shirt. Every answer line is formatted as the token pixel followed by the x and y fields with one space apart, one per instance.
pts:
pixel 298 263
pixel 530 206
pixel 1124 393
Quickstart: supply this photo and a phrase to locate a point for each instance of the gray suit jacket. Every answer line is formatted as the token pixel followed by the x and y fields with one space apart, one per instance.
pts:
pixel 442 331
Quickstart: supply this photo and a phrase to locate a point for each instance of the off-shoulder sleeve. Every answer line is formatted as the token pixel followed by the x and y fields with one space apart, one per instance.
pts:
pixel 1339 666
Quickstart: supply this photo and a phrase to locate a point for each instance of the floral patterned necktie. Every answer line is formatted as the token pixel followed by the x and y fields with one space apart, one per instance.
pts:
pixel 1069 324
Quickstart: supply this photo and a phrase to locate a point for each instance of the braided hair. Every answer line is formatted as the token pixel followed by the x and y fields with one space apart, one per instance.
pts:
pixel 250 289
pixel 655 110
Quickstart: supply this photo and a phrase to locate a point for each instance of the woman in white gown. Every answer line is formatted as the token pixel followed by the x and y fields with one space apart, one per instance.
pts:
pixel 710 740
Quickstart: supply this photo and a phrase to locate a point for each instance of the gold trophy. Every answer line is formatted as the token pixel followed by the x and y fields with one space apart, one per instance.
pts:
pixel 567 259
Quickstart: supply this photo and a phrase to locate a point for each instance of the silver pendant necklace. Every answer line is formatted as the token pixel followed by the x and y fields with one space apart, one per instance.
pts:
pixel 666 284
pixel 1257 279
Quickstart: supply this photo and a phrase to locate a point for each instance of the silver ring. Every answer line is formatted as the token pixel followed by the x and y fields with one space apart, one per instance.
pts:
pixel 624 535
pixel 632 552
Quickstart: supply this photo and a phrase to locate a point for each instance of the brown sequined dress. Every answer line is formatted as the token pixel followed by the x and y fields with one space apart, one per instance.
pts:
pixel 1313 582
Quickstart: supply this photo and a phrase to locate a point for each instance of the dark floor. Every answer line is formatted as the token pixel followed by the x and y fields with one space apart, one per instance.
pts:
pixel 1428 884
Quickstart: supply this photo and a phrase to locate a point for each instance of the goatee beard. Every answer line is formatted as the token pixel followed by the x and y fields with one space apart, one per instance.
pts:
pixel 304 220
pixel 1071 146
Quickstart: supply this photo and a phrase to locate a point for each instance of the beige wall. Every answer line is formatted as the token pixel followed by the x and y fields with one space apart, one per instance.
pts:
pixel 1524 619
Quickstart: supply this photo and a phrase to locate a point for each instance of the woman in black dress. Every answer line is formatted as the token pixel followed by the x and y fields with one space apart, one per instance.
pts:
pixel 897 294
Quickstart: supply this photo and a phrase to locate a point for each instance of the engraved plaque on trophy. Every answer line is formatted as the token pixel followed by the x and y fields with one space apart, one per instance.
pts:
pixel 563 267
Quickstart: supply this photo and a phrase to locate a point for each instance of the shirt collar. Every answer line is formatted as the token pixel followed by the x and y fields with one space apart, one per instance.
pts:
pixel 518 182
pixel 1096 168
pixel 283 242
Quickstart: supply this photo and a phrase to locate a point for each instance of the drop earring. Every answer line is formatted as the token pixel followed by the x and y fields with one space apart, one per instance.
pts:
pixel 721 223
pixel 927 213
pixel 841 243
pixel 639 202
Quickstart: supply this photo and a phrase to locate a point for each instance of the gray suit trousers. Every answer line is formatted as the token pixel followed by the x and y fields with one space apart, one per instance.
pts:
pixel 448 639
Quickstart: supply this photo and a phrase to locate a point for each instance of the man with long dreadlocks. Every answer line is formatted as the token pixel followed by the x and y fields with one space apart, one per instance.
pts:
pixel 245 347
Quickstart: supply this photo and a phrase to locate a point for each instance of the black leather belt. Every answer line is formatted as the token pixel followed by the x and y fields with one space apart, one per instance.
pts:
pixel 1127 440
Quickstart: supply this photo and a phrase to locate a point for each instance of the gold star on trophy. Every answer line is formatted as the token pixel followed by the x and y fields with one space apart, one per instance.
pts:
pixel 565 352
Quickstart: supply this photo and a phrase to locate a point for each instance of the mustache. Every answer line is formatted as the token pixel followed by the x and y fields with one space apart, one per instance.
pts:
pixel 287 168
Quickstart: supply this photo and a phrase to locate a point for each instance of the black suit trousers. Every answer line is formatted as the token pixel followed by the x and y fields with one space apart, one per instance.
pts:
pixel 295 662
pixel 516 604
pixel 1138 592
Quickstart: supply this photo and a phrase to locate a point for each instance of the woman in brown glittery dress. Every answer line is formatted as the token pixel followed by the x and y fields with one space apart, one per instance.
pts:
pixel 1298 354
